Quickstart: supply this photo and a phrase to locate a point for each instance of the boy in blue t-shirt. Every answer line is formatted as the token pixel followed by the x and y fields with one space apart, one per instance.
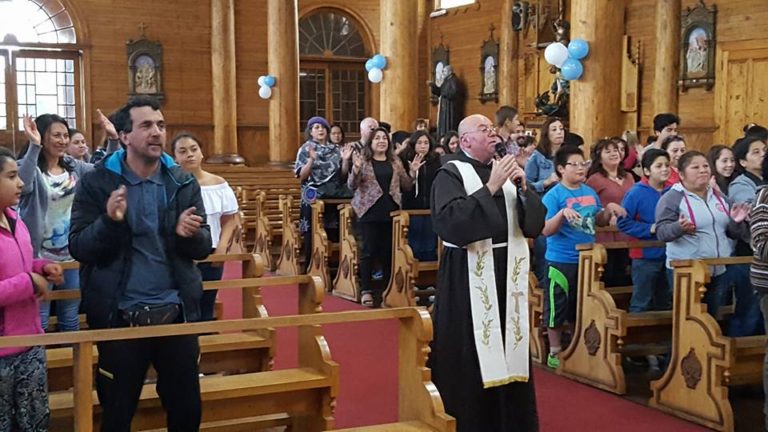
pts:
pixel 573 212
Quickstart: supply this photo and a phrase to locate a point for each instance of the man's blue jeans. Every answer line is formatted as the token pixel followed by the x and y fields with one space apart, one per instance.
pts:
pixel 746 320
pixel 67 311
pixel 651 289
pixel 764 309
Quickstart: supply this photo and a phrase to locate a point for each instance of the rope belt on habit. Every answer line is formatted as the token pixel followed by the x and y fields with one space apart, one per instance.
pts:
pixel 495 245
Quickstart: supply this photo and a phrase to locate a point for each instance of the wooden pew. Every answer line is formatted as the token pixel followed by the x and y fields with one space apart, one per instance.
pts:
pixel 345 285
pixel 538 343
pixel 323 250
pixel 257 230
pixel 704 362
pixel 288 263
pixel 220 353
pixel 306 392
pixel 250 401
pixel 603 331
pixel 407 271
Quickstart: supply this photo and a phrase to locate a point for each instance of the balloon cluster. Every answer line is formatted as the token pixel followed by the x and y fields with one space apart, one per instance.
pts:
pixel 266 82
pixel 374 66
pixel 568 59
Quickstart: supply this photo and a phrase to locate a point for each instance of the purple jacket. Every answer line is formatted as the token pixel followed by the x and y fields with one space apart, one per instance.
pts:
pixel 19 310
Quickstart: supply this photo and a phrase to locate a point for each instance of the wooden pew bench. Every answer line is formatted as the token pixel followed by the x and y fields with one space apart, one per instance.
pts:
pixel 407 271
pixel 307 389
pixel 288 264
pixel 345 285
pixel 220 353
pixel 704 362
pixel 324 251
pixel 603 332
pixel 257 231
pixel 301 398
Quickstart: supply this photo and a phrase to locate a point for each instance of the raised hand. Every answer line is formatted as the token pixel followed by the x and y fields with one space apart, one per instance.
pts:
pixel 687 226
pixel 501 171
pixel 117 204
pixel 357 162
pixel 346 151
pixel 40 284
pixel 53 273
pixel 399 148
pixel 740 212
pixel 30 130
pixel 189 223
pixel 107 125
pixel 416 163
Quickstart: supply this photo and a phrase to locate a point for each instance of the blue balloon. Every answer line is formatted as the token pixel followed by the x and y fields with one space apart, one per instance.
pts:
pixel 269 81
pixel 379 61
pixel 578 49
pixel 369 65
pixel 572 69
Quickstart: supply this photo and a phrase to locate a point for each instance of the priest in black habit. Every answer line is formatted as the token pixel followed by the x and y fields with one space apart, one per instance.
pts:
pixel 489 390
pixel 450 101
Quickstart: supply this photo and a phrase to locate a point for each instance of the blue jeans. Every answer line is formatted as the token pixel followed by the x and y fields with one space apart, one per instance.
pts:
pixel 651 287
pixel 764 309
pixel 208 300
pixel 716 295
pixel 422 238
pixel 746 320
pixel 67 311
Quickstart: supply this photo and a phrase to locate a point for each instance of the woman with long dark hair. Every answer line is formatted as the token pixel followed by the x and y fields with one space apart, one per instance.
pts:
pixel 723 166
pixel 421 237
pixel 50 176
pixel 377 179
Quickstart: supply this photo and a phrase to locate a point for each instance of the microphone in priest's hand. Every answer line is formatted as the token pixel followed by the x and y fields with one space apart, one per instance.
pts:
pixel 502 150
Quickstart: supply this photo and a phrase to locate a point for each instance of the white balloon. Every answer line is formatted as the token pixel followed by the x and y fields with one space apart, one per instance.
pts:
pixel 261 80
pixel 265 92
pixel 556 54
pixel 375 75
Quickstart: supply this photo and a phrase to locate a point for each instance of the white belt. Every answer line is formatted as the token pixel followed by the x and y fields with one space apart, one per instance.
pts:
pixel 495 245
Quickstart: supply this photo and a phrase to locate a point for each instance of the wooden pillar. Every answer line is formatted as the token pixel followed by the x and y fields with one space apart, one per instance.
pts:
pixel 399 88
pixel 508 47
pixel 283 56
pixel 595 98
pixel 667 69
pixel 424 53
pixel 223 77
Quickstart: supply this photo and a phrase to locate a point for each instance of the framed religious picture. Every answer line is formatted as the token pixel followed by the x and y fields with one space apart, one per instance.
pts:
pixel 145 67
pixel 697 54
pixel 489 65
pixel 440 59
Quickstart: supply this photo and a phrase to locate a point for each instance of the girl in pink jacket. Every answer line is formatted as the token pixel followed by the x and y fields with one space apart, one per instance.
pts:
pixel 23 281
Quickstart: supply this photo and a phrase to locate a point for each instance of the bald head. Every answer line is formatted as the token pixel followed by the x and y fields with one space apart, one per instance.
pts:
pixel 476 138
pixel 367 125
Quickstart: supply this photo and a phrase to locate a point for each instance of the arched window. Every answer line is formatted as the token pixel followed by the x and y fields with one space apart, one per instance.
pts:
pixel 332 75
pixel 39 65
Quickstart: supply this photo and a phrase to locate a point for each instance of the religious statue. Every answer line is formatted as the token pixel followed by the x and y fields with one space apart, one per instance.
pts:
pixel 450 102
pixel 489 76
pixel 555 101
pixel 145 79
pixel 696 56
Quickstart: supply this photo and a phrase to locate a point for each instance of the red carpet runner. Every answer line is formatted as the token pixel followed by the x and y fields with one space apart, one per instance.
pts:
pixel 367 355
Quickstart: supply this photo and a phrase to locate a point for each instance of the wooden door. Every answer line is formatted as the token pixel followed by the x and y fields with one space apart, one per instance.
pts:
pixel 741 93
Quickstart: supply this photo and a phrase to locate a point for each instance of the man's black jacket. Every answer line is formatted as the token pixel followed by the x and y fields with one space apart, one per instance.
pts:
pixel 103 247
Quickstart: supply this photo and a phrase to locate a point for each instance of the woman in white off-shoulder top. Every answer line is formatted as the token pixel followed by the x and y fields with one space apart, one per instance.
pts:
pixel 220 209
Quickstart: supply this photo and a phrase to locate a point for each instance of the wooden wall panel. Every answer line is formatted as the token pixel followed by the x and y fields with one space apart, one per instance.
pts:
pixel 737 20
pixel 464 29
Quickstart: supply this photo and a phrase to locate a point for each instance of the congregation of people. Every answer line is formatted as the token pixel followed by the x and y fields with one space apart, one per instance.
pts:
pixel 145 202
